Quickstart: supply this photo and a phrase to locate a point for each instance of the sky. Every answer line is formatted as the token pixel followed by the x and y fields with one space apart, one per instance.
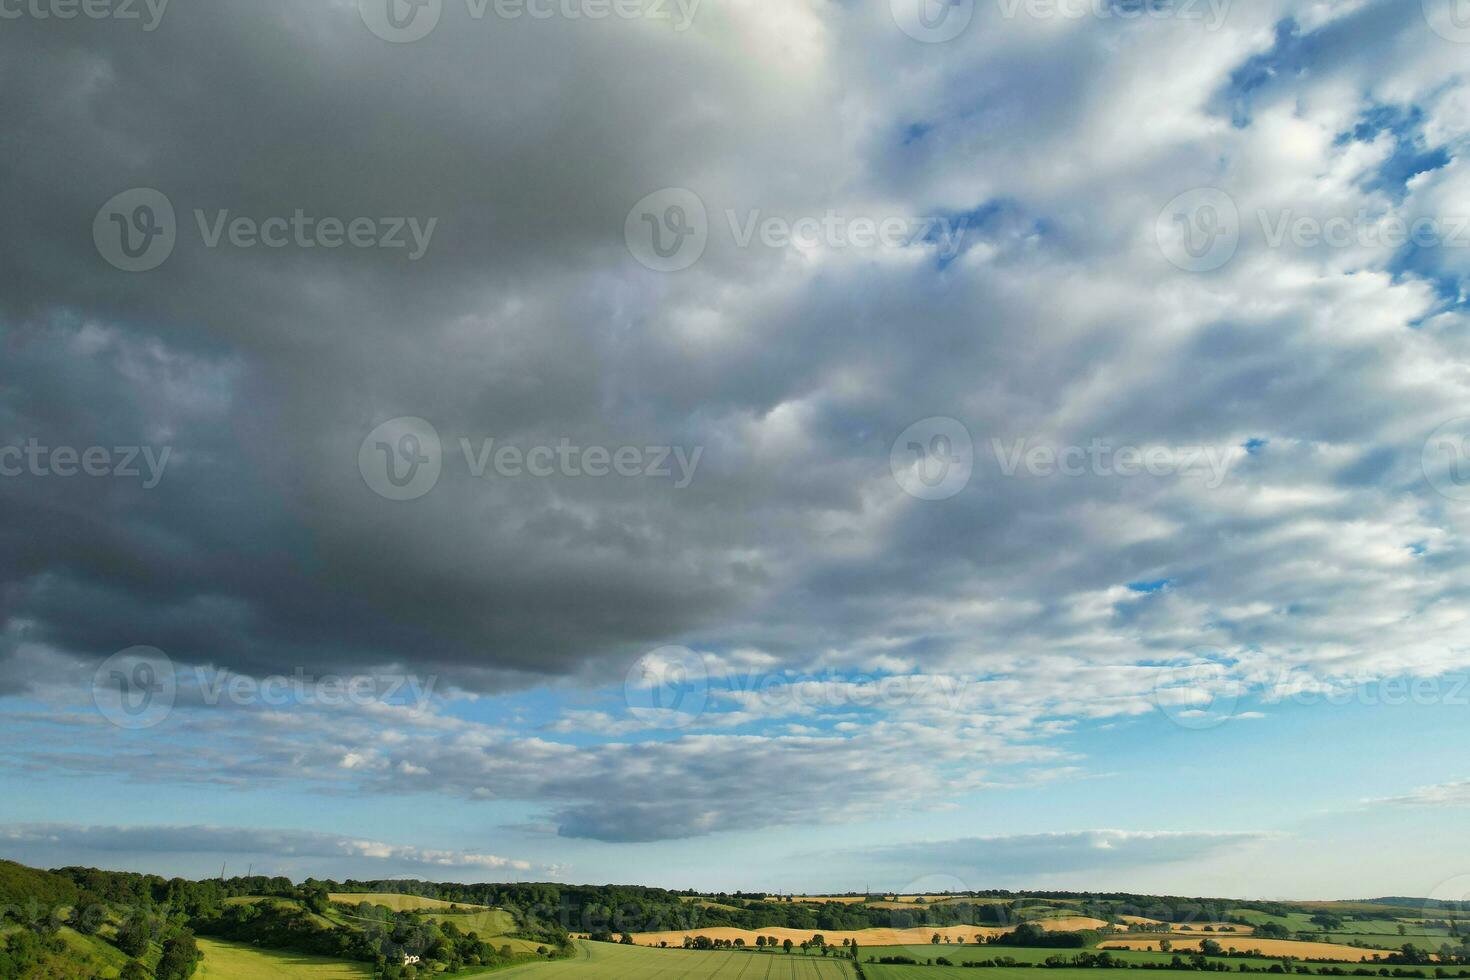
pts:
pixel 768 444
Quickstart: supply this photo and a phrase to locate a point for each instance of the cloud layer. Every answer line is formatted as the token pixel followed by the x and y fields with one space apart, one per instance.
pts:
pixel 1331 548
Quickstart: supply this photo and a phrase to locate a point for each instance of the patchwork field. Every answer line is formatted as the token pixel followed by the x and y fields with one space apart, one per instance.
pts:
pixel 232 961
pixel 1027 954
pixel 1267 947
pixel 865 937
pixel 609 961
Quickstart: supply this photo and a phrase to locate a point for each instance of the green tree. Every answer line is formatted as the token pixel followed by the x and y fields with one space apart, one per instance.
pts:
pixel 786 945
pixel 134 935
pixel 180 957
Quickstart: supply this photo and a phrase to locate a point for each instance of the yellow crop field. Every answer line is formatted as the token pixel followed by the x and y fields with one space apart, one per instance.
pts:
pixel 1266 947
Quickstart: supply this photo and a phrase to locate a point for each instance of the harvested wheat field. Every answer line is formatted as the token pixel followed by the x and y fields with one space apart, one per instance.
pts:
pixel 1266 947
pixel 1069 923
pixel 1234 929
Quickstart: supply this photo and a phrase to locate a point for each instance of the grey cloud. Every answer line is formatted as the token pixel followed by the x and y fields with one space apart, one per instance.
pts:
pixel 50 844
pixel 1021 855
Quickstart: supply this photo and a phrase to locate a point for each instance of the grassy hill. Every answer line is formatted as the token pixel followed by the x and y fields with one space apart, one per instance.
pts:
pixel 233 961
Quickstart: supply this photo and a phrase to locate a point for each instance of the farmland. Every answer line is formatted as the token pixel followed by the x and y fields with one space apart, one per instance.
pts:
pixel 607 961
pixel 1268 947
pixel 1022 954
pixel 259 927
pixel 865 937
pixel 232 961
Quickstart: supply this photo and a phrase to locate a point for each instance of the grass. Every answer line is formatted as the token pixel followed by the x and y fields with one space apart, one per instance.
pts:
pixel 876 971
pixel 234 961
pixel 1025 954
pixel 98 956
pixel 1029 954
pixel 609 961
pixel 493 926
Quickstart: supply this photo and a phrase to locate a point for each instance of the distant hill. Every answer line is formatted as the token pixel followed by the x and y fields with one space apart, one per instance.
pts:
pixel 1418 903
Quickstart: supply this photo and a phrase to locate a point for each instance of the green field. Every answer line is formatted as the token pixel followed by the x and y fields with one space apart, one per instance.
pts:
pixel 875 971
pixel 93 953
pixel 493 926
pixel 232 961
pixel 959 954
pixel 609 961
pixel 1379 933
